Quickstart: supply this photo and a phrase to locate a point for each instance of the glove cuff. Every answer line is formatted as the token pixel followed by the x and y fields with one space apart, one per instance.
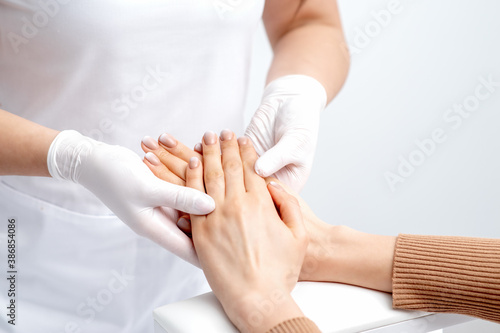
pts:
pixel 297 84
pixel 66 154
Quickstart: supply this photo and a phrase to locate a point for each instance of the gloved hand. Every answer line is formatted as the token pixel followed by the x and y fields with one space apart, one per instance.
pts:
pixel 119 178
pixel 284 129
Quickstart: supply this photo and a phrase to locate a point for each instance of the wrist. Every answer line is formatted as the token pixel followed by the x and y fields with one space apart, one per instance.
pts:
pixel 358 258
pixel 67 152
pixel 260 311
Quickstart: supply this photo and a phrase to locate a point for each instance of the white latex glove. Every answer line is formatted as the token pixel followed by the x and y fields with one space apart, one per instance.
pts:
pixel 284 129
pixel 118 177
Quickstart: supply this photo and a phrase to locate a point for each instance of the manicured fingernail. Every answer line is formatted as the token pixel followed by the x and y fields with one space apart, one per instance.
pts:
pixel 194 162
pixel 168 140
pixel 226 135
pixel 210 138
pixel 152 158
pixel 276 185
pixel 150 143
pixel 184 224
pixel 242 141
pixel 198 148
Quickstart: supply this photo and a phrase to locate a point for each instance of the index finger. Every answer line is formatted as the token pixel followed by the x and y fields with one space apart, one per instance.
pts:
pixel 178 149
pixel 212 167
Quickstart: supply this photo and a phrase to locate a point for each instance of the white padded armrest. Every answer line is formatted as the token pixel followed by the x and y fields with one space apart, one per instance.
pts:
pixel 333 307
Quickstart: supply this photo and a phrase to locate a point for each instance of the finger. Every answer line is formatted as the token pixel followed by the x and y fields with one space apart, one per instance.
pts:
pixel 289 209
pixel 253 182
pixel 231 163
pixel 185 225
pixel 178 149
pixel 262 123
pixel 304 207
pixel 277 157
pixel 198 148
pixel 194 175
pixel 163 231
pixel 186 199
pixel 288 189
pixel 212 166
pixel 176 165
pixel 194 179
pixel 160 170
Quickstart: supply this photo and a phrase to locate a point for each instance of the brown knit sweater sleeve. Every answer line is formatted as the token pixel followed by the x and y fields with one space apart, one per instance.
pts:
pixel 447 274
pixel 296 325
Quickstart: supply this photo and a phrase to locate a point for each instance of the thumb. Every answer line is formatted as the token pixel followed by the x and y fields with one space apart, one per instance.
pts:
pixel 163 231
pixel 277 157
pixel 288 208
pixel 182 198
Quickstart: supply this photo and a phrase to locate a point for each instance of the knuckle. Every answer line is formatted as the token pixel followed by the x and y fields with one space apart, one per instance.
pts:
pixel 178 150
pixel 293 200
pixel 214 175
pixel 211 151
pixel 232 166
pixel 162 154
pixel 248 164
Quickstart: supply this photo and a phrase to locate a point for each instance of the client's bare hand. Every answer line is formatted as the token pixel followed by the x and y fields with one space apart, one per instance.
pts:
pixel 250 253
pixel 334 253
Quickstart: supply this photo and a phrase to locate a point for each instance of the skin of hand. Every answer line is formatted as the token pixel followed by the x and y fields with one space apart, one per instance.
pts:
pixel 334 253
pixel 250 254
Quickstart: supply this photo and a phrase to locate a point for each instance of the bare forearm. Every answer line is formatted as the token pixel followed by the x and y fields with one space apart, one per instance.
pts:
pixel 312 49
pixel 23 146
pixel 344 255
pixel 366 259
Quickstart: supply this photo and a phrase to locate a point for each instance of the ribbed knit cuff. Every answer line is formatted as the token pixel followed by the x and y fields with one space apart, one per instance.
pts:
pixel 447 274
pixel 296 325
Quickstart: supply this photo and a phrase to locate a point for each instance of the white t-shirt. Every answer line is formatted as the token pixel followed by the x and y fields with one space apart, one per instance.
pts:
pixel 119 70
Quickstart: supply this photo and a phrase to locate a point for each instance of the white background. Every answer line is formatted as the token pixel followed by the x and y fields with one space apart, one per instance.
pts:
pixel 427 58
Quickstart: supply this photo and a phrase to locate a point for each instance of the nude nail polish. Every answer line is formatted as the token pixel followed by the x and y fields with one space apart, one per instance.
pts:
pixel 276 185
pixel 210 138
pixel 184 224
pixel 150 143
pixel 243 140
pixel 168 140
pixel 198 148
pixel 226 135
pixel 194 162
pixel 152 158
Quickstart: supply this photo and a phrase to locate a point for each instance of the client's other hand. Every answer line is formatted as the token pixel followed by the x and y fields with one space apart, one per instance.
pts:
pixel 251 247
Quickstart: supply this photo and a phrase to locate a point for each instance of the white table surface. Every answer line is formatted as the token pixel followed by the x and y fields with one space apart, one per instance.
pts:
pixel 333 307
